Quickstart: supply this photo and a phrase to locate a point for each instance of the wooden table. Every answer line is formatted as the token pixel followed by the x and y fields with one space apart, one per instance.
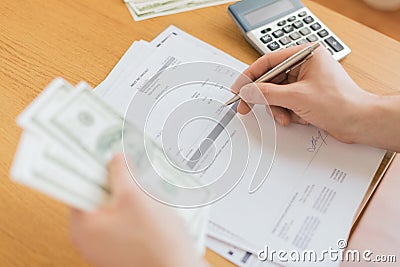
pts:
pixel 83 40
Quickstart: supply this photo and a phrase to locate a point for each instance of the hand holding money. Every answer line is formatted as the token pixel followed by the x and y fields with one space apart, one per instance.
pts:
pixel 133 230
pixel 70 135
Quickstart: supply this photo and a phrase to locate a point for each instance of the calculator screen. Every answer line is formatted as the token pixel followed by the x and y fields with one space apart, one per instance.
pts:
pixel 266 12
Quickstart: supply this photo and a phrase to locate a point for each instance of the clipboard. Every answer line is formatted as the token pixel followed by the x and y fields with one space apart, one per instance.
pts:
pixel 380 173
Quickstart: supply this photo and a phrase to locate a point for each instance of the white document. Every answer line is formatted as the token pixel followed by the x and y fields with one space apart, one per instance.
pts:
pixel 236 255
pixel 225 237
pixel 143 99
pixel 314 187
pixel 129 62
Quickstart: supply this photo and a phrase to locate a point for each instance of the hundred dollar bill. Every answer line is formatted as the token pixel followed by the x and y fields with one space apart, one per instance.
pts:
pixel 27 169
pixel 153 6
pixel 142 11
pixel 158 7
pixel 36 116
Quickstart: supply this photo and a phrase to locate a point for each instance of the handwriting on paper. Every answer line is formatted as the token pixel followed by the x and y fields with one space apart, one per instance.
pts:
pixel 317 140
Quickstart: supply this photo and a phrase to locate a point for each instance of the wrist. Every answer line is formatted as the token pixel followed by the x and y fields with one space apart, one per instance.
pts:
pixel 372 111
pixel 375 126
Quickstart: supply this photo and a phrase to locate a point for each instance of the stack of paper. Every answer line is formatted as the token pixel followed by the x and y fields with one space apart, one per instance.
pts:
pixel 145 9
pixel 312 190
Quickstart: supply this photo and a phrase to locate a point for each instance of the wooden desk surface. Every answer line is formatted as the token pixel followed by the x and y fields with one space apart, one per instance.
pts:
pixel 83 40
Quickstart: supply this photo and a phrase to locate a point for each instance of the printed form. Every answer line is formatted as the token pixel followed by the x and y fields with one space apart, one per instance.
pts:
pixel 313 184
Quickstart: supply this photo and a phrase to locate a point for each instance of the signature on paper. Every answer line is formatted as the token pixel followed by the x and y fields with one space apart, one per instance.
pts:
pixel 317 140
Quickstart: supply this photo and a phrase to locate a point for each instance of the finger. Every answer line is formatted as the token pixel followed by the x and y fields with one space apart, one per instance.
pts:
pixel 285 95
pixel 243 107
pixel 280 79
pixel 270 60
pixel 76 222
pixel 76 216
pixel 281 115
pixel 293 75
pixel 118 175
pixel 76 213
pixel 241 81
pixel 297 119
pixel 262 65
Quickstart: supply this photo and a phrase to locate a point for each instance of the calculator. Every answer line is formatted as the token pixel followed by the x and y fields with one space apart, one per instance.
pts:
pixel 270 25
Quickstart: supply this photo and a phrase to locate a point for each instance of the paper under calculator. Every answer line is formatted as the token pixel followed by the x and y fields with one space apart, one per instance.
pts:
pixel 269 25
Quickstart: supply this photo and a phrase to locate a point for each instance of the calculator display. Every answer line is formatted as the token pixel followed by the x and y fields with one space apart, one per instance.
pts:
pixel 269 11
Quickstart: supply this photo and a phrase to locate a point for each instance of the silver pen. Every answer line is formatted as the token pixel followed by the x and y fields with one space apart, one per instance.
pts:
pixel 285 67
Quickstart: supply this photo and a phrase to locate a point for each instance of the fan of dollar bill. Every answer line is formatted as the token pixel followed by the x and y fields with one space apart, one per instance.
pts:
pixel 145 9
pixel 70 135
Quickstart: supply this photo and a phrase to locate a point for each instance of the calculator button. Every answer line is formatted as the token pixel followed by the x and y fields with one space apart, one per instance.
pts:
pixel 277 33
pixel 334 44
pixel 298 24
pixel 266 30
pixel 302 41
pixel 312 38
pixel 281 23
pixel 273 46
pixel 302 14
pixel 266 39
pixel 285 40
pixel 292 18
pixel 292 44
pixel 288 28
pixel 323 33
pixel 295 36
pixel 316 26
pixel 308 19
pixel 305 31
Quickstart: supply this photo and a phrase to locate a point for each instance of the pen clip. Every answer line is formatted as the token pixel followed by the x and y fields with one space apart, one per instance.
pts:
pixel 300 63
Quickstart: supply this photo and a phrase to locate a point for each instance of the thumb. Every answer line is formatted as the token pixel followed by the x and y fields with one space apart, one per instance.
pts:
pixel 118 175
pixel 271 94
